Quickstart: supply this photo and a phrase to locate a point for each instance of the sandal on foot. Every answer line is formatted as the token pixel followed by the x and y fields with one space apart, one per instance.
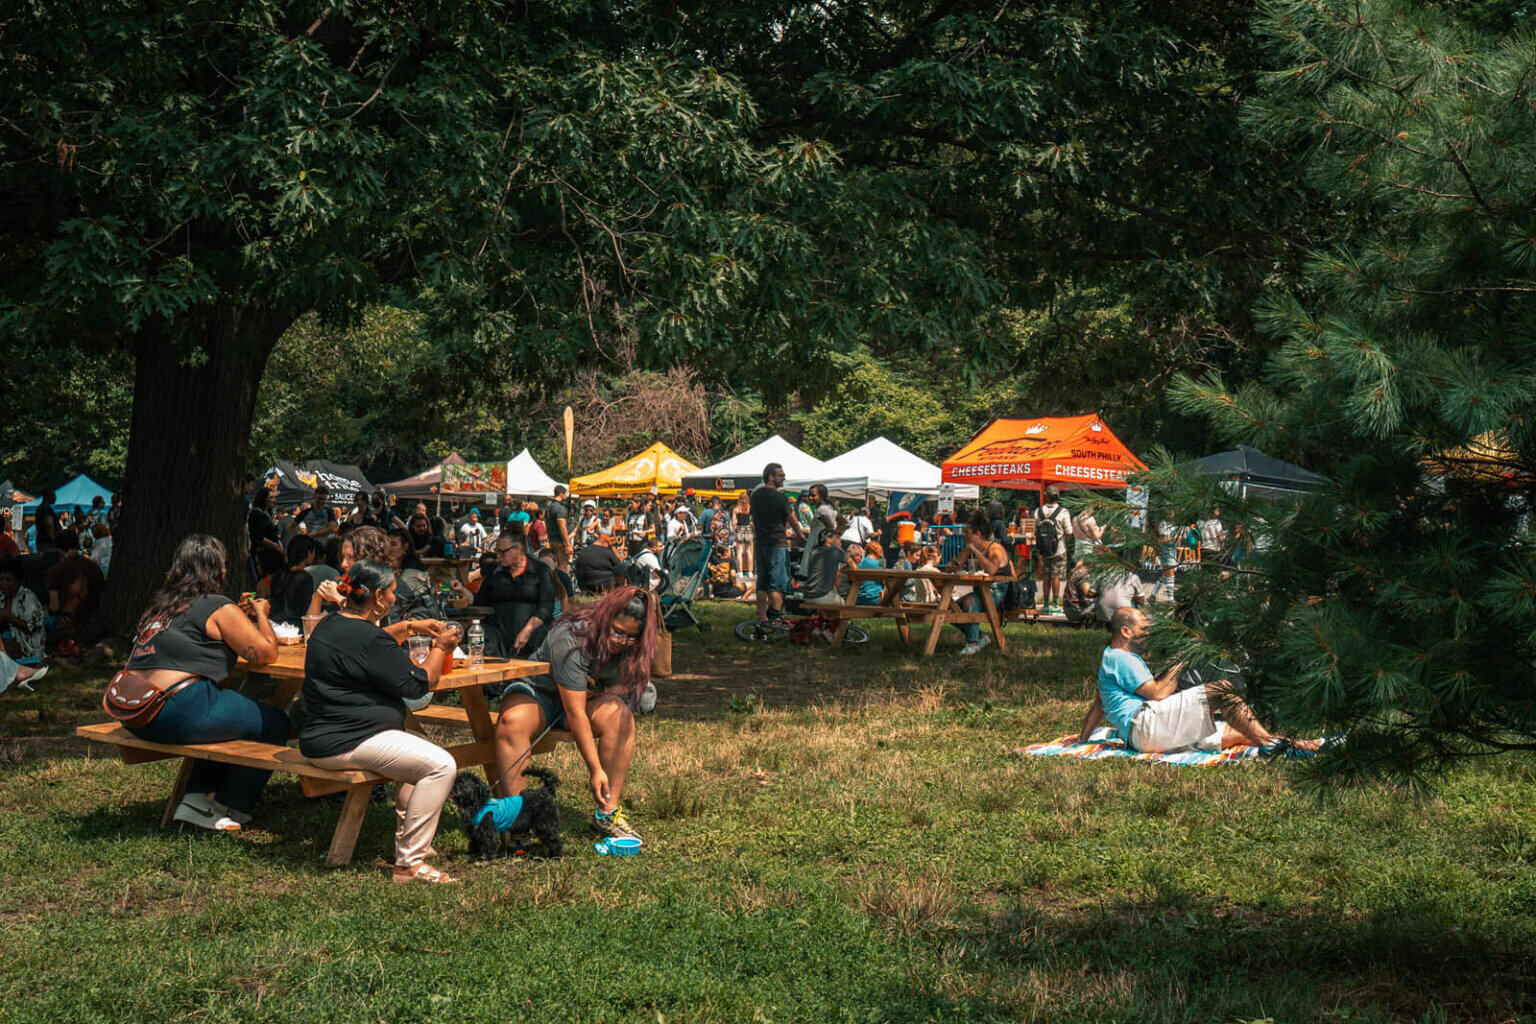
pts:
pixel 423 872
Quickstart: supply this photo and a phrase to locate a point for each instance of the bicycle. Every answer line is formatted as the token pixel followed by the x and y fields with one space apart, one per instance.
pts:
pixel 804 630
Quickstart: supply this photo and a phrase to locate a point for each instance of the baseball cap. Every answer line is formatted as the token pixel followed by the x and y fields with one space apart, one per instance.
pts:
pixel 589 503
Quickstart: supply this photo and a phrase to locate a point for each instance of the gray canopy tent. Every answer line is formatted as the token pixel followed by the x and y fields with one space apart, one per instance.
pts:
pixel 1259 475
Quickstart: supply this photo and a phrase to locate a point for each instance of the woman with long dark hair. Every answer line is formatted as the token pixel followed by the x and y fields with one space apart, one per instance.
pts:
pixel 187 642
pixel 357 679
pixel 414 595
pixel 600 661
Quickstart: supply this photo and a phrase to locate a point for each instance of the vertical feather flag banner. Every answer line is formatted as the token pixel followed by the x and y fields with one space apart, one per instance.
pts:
pixel 570 428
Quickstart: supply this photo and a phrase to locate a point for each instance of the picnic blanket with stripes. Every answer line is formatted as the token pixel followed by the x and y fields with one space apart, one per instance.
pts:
pixel 1103 744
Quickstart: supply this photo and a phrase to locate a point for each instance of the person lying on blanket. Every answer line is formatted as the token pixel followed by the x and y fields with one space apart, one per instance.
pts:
pixel 1153 716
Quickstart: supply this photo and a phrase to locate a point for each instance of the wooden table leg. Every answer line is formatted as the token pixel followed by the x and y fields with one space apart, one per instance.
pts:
pixel 848 602
pixel 946 601
pixel 888 600
pixel 284 693
pixel 178 790
pixel 344 839
pixel 484 730
pixel 993 617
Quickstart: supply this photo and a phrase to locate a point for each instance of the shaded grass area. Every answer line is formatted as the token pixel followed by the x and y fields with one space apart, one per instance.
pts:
pixel 832 836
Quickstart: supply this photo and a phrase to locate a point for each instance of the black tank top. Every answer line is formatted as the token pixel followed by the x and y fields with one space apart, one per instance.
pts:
pixel 184 644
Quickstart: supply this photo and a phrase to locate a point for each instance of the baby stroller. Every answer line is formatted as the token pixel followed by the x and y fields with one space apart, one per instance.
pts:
pixel 686 571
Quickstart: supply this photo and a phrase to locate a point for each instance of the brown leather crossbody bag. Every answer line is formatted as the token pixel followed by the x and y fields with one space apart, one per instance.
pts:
pixel 134 701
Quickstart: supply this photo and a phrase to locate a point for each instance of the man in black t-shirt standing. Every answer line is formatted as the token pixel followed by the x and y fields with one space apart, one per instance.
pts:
pixel 557 529
pixel 772 514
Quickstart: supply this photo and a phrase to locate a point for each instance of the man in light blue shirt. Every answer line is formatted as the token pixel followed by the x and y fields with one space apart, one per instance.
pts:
pixel 1151 714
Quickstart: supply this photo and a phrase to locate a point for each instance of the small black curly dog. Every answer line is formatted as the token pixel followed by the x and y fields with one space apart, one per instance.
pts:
pixel 539 817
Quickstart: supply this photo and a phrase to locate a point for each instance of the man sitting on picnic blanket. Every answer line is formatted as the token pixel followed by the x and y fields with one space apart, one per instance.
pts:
pixel 1152 715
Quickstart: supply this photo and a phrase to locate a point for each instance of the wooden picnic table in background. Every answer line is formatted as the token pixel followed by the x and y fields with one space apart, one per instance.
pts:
pixel 439 569
pixel 946 611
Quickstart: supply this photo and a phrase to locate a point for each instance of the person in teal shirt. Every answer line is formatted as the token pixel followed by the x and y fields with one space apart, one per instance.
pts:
pixel 868 556
pixel 1151 714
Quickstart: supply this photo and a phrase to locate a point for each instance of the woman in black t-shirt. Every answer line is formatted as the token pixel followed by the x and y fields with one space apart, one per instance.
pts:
pixel 521 596
pixel 187 642
pixel 357 679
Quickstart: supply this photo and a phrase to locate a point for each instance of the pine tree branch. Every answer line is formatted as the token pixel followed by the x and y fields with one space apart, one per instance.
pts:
pixel 1466 174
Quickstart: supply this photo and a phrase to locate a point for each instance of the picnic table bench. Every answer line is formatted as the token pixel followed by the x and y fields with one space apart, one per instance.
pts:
pixel 288 670
pixel 939 614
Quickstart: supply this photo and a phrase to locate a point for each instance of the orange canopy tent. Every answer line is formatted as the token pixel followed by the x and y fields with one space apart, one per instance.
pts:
pixel 1073 451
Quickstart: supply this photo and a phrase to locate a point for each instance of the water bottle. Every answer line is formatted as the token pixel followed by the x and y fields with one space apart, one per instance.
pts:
pixel 474 644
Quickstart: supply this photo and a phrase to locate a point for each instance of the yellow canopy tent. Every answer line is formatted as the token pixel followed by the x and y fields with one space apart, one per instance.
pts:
pixel 1489 456
pixel 657 470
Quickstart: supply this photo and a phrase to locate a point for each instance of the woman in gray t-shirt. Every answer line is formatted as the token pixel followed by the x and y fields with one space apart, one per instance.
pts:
pixel 599 667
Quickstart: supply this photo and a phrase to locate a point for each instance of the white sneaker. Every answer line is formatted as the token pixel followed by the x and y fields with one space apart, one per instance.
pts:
pixel 242 817
pixel 970 649
pixel 984 641
pixel 197 809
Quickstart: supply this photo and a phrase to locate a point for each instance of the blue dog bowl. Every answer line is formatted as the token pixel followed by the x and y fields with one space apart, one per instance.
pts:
pixel 618 847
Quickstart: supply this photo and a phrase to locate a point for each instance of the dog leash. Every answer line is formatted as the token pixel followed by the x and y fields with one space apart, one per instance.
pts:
pixel 502 778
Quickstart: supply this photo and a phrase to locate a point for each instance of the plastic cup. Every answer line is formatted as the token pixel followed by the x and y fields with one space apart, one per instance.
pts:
pixel 310 622
pixel 420 647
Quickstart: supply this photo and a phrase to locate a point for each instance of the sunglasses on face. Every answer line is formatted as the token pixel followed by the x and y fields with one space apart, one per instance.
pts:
pixel 621 639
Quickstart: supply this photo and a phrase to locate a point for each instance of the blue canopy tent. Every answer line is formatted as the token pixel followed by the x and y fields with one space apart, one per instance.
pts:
pixel 79 492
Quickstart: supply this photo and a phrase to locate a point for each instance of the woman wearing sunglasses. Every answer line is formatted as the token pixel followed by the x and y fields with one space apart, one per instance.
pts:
pixel 599 666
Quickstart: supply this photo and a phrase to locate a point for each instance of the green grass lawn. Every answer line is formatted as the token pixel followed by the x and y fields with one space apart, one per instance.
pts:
pixel 832 836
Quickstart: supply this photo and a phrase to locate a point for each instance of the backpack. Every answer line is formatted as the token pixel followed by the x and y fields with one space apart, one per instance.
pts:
pixel 1046 537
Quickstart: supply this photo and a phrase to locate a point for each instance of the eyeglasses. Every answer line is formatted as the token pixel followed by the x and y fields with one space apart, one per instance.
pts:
pixel 622 639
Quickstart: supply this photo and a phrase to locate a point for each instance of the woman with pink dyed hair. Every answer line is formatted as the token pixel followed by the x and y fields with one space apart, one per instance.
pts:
pixel 600 661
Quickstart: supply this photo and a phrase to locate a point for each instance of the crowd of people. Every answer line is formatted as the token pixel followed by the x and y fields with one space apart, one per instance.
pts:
pixel 356 579
pixel 52 579
pixel 529 557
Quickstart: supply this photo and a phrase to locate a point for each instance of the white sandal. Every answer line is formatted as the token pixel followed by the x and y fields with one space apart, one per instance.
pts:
pixel 423 872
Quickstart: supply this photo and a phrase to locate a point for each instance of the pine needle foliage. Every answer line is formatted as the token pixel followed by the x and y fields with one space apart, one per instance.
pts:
pixel 1398 603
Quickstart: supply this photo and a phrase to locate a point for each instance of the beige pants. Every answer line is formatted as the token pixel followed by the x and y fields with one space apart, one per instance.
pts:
pixel 425 772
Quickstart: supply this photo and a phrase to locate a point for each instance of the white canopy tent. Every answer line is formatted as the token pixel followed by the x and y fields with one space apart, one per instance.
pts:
pixel 525 477
pixel 880 467
pixel 744 470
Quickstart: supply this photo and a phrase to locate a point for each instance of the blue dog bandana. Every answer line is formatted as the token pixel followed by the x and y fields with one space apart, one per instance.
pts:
pixel 503 811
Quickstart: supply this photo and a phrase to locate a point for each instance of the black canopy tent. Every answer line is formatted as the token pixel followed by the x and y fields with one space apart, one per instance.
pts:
pixel 296 484
pixel 1259 475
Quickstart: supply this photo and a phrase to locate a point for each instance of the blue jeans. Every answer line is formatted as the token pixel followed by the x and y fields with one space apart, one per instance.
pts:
pixel 203 713
pixel 971 603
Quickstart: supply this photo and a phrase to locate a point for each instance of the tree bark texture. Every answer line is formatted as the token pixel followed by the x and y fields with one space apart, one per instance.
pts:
pixel 187 445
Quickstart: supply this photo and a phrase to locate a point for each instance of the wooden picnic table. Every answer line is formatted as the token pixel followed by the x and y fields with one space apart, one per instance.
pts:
pixel 945 611
pixel 439 569
pixel 288 671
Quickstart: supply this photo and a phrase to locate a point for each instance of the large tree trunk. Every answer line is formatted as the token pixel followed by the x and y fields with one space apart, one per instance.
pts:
pixel 186 452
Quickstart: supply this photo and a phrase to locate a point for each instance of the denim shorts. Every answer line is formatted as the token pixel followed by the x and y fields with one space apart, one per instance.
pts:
pixel 772 566
pixel 549 703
